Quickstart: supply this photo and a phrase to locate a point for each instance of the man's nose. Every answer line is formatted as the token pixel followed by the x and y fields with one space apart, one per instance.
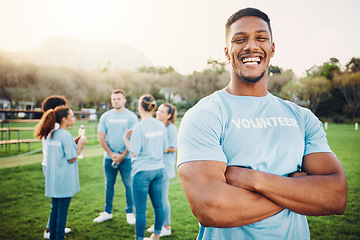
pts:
pixel 251 45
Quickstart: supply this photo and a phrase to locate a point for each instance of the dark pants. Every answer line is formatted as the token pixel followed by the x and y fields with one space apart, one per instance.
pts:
pixel 58 215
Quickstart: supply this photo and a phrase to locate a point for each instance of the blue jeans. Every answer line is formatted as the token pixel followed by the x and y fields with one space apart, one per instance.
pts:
pixel 144 183
pixel 166 203
pixel 110 179
pixel 58 215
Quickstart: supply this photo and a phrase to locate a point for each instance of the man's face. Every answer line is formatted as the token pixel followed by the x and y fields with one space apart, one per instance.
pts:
pixel 118 100
pixel 249 48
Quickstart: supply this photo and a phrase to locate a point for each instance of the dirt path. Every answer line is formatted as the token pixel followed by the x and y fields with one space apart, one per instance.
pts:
pixel 37 157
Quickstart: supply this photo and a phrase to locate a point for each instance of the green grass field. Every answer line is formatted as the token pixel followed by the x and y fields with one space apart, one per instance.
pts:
pixel 345 142
pixel 24 209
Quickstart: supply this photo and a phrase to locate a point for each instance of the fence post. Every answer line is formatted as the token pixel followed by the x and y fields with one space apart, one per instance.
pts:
pixel 356 126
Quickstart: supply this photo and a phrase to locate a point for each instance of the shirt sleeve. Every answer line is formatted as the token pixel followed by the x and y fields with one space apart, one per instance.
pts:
pixel 101 126
pixel 133 121
pixel 166 140
pixel 315 136
pixel 136 140
pixel 172 136
pixel 69 146
pixel 199 137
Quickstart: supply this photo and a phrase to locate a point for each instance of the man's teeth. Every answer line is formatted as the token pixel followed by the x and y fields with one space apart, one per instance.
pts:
pixel 253 61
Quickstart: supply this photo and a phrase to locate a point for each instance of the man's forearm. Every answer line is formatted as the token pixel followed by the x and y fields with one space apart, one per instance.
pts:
pixel 313 195
pixel 317 194
pixel 106 147
pixel 216 203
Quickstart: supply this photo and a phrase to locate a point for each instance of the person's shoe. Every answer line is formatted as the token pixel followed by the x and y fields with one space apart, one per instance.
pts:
pixel 130 218
pixel 165 231
pixel 47 234
pixel 152 237
pixel 150 229
pixel 104 216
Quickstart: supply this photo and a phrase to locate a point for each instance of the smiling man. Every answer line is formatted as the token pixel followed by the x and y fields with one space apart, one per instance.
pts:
pixel 253 165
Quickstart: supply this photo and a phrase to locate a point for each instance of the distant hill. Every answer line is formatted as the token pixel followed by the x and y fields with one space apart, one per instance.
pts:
pixel 70 52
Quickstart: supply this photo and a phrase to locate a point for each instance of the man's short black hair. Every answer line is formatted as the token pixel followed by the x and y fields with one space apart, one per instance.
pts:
pixel 52 102
pixel 247 12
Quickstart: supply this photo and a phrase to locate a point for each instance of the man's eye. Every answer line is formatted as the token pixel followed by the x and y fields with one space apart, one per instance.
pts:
pixel 239 40
pixel 262 38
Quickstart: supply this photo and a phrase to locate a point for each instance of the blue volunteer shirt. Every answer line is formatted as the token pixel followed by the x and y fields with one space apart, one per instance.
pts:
pixel 61 177
pixel 262 133
pixel 114 125
pixel 170 158
pixel 149 141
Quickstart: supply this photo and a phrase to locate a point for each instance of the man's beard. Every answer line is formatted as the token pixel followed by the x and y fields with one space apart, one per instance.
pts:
pixel 247 79
pixel 252 79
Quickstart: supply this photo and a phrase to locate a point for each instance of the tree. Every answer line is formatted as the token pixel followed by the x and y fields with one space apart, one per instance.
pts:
pixel 278 80
pixel 156 70
pixel 273 69
pixel 353 65
pixel 307 92
pixel 216 65
pixel 328 69
pixel 349 85
pixel 9 79
pixel 200 84
pixel 315 90
pixel 169 84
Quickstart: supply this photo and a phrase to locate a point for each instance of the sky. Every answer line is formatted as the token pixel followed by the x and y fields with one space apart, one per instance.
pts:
pixel 186 33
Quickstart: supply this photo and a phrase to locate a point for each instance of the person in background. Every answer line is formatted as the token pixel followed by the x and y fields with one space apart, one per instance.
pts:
pixel 62 174
pixel 50 102
pixel 252 165
pixel 167 114
pixel 112 126
pixel 147 145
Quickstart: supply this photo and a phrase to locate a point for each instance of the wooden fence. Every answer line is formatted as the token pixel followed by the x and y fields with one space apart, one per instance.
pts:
pixel 6 133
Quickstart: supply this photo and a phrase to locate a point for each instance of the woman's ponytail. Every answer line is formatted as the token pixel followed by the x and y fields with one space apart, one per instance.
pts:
pixel 46 124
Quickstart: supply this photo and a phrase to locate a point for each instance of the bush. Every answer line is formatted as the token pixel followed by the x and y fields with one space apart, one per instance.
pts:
pixel 338 119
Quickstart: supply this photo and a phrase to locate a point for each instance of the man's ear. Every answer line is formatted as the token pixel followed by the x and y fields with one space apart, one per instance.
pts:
pixel 227 55
pixel 272 50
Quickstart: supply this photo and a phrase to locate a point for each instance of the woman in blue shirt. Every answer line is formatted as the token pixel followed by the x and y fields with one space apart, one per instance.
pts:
pixel 167 114
pixel 147 145
pixel 62 175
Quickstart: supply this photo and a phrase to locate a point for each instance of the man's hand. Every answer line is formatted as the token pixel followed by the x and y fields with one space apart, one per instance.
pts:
pixel 77 139
pixel 115 157
pixel 321 189
pixel 119 157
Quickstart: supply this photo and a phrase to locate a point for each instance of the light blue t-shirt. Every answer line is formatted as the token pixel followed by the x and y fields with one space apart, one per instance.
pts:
pixel 149 141
pixel 263 133
pixel 61 177
pixel 114 125
pixel 170 158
